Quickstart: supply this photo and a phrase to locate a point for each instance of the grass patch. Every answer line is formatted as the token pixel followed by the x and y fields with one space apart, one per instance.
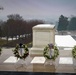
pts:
pixel 12 43
pixel 2 42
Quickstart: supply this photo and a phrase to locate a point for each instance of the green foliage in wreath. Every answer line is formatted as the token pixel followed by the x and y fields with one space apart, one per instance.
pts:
pixel 74 52
pixel 16 51
pixel 46 55
pixel 0 51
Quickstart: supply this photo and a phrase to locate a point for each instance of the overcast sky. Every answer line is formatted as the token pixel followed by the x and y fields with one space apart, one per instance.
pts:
pixel 38 8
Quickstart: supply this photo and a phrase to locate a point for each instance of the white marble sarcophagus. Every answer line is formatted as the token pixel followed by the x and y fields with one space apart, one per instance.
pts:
pixel 43 34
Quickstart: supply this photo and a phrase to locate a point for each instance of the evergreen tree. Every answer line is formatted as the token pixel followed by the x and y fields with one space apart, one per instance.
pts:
pixel 63 23
pixel 72 24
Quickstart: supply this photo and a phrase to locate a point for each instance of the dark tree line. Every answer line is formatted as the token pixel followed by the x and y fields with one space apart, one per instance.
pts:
pixel 16 26
pixel 65 24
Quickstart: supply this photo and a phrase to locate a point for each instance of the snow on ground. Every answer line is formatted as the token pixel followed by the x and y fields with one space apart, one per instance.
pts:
pixel 64 41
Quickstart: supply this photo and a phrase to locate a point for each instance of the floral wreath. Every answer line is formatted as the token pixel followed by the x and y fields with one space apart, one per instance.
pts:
pixel 0 51
pixel 49 47
pixel 16 51
pixel 74 52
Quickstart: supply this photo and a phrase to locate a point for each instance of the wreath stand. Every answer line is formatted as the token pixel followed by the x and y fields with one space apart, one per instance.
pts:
pixel 51 52
pixel 21 65
pixel 21 52
pixel 50 60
